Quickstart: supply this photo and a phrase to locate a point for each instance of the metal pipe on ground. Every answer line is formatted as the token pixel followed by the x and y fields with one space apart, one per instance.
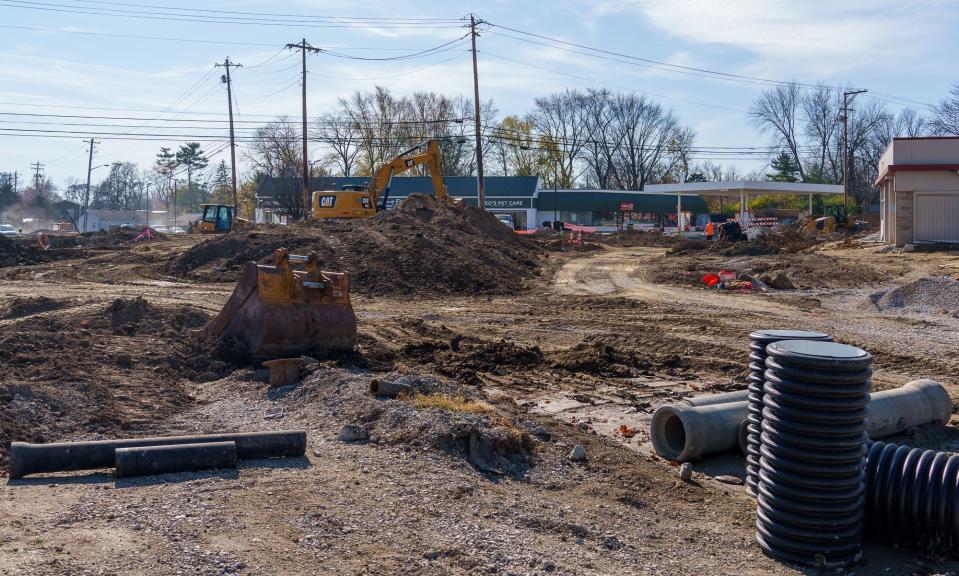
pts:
pixel 683 432
pixel 168 459
pixel 26 458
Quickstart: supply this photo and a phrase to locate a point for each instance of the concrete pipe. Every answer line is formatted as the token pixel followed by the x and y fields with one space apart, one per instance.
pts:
pixel 684 432
pixel 721 398
pixel 681 432
pixel 914 404
pixel 28 458
pixel 168 459
pixel 390 389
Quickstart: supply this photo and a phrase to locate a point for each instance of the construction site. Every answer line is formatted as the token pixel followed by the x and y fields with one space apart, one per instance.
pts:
pixel 519 386
pixel 409 331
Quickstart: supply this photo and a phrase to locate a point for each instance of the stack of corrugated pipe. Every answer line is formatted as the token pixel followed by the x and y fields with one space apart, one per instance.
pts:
pixel 809 400
pixel 758 341
pixel 809 501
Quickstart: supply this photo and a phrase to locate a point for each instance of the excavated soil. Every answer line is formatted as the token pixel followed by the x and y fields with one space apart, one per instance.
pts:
pixel 72 368
pixel 786 240
pixel 635 238
pixel 805 270
pixel 423 246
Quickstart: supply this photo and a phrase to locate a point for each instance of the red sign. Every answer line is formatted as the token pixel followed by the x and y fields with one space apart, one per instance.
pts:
pixel 625 206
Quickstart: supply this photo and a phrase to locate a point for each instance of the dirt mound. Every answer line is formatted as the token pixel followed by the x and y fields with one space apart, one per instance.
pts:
pixel 640 238
pixel 101 369
pixel 116 238
pixel 923 295
pixel 422 246
pixel 25 252
pixel 787 240
pixel 804 270
pixel 442 415
pixel 28 306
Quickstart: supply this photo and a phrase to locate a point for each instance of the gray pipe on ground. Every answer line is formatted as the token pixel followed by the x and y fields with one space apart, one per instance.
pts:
pixel 721 398
pixel 151 460
pixel 28 458
pixel 683 432
pixel 389 389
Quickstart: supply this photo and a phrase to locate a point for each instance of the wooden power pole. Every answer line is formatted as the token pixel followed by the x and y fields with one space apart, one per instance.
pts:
pixel 229 100
pixel 480 189
pixel 845 146
pixel 304 47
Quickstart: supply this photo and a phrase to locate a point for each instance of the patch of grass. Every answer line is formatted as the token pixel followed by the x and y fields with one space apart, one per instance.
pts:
pixel 39 541
pixel 451 403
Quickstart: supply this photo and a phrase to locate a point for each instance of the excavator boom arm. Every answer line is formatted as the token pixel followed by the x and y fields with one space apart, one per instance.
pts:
pixel 406 161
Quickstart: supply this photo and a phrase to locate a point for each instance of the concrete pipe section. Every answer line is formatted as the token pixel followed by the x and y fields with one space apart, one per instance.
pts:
pixel 151 460
pixel 686 431
pixel 65 456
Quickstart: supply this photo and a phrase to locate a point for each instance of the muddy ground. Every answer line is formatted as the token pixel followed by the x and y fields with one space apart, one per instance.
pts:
pixel 470 476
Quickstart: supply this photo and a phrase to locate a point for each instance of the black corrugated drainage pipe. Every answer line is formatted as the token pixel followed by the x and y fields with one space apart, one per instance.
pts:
pixel 64 456
pixel 809 503
pixel 150 460
pixel 912 497
pixel 758 341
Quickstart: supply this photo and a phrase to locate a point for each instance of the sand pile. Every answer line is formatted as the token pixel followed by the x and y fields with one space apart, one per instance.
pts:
pixel 422 246
pixel 923 295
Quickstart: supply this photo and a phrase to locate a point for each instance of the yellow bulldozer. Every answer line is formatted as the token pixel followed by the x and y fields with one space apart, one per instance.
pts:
pixel 276 311
pixel 218 219
pixel 365 201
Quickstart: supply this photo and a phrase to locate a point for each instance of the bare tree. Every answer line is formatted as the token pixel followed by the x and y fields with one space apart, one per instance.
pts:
pixel 341 134
pixel 777 111
pixel 561 119
pixel 945 119
pixel 647 132
pixel 276 153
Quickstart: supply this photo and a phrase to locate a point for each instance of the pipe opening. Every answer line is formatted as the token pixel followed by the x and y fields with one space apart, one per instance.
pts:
pixel 674 433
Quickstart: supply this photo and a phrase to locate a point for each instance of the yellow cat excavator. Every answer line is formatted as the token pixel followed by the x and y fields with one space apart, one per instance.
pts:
pixel 365 201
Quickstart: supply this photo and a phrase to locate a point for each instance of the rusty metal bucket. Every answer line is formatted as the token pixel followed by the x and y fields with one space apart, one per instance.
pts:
pixel 278 311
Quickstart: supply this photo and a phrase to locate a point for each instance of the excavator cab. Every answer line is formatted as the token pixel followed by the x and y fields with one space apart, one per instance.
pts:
pixel 365 201
pixel 277 311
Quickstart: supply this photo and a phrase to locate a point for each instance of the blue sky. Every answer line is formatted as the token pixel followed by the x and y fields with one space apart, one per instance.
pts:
pixel 56 61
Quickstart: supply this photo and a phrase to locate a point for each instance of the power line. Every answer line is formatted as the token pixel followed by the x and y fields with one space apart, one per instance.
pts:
pixel 170 15
pixel 554 71
pixel 667 66
pixel 264 14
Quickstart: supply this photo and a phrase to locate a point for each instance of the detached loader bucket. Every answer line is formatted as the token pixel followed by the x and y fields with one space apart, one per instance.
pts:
pixel 280 312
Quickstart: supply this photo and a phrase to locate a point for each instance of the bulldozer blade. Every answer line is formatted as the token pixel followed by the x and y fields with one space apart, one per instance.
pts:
pixel 274 312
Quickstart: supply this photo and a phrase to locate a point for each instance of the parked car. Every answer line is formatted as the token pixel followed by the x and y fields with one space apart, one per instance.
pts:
pixel 506 219
pixel 128 226
pixel 177 230
pixel 161 229
pixel 8 231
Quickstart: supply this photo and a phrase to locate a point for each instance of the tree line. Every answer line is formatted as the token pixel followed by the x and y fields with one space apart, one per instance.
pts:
pixel 591 138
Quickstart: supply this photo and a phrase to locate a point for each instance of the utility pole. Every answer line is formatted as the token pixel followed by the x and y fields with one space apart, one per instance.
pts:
pixel 845 145
pixel 86 195
pixel 229 98
pixel 36 176
pixel 304 48
pixel 480 189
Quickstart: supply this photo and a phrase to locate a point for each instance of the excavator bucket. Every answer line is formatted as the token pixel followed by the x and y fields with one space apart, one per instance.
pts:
pixel 279 312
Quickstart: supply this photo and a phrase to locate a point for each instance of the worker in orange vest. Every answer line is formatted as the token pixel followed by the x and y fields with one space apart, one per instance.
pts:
pixel 710 230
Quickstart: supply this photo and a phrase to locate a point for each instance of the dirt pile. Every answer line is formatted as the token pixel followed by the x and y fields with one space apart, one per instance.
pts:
pixel 640 238
pixel 116 238
pixel 72 368
pixel 787 240
pixel 923 295
pixel 422 246
pixel 442 415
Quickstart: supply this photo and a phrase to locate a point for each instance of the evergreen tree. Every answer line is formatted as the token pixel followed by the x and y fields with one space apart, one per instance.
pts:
pixel 785 169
